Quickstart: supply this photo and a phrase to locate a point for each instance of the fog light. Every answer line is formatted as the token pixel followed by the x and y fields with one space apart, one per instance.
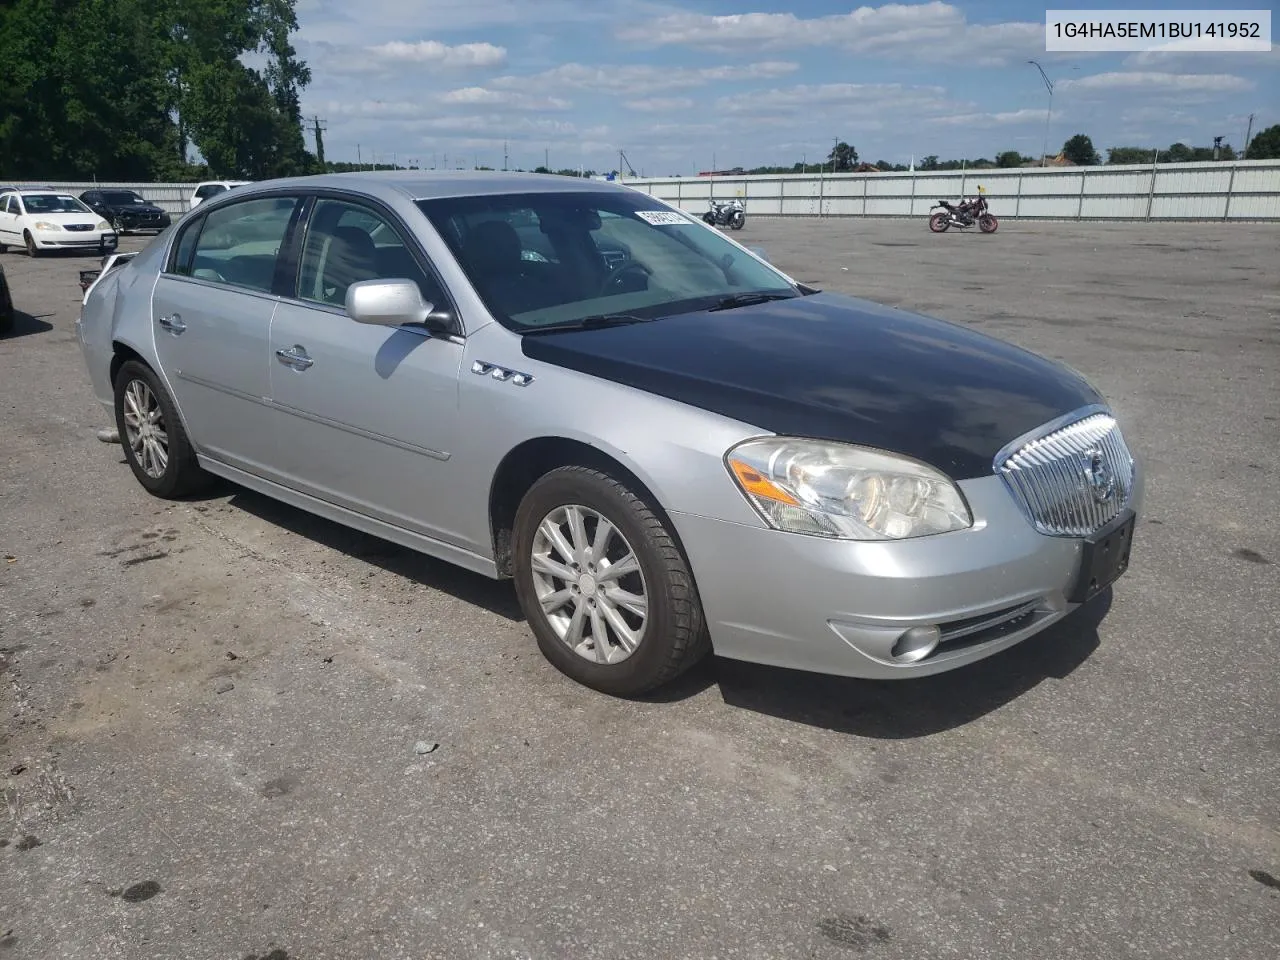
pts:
pixel 916 644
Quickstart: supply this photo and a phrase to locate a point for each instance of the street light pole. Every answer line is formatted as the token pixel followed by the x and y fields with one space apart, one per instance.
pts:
pixel 1048 84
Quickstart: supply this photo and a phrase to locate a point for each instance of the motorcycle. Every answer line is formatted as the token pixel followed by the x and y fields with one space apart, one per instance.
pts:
pixel 730 213
pixel 963 214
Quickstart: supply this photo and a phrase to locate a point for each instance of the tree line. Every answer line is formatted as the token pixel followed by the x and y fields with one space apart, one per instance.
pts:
pixel 124 89
pixel 1079 150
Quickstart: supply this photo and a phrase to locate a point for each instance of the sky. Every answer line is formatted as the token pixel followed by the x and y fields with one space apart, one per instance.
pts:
pixel 680 85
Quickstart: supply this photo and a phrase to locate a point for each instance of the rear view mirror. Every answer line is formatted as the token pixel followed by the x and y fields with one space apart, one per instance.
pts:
pixel 392 303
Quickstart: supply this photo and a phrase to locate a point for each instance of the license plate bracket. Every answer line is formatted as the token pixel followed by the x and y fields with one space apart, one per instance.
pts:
pixel 1104 559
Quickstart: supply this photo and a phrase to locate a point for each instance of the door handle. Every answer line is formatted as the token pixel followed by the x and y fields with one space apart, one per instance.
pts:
pixel 295 357
pixel 173 324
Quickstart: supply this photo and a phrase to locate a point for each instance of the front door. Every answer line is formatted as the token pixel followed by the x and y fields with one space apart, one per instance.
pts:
pixel 367 415
pixel 211 316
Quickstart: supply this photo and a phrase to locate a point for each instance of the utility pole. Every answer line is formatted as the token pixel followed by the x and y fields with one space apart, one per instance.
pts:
pixel 504 156
pixel 319 140
pixel 546 158
pixel 359 160
pixel 1244 154
pixel 1044 149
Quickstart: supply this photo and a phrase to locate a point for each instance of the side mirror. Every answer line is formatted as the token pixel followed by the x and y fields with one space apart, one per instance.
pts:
pixel 393 303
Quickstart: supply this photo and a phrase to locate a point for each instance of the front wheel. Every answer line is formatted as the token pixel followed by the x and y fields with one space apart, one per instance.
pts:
pixel 154 441
pixel 939 222
pixel 32 249
pixel 987 223
pixel 738 222
pixel 605 588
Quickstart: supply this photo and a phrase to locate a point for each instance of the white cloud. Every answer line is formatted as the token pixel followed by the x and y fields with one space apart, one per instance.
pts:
pixel 1005 119
pixel 934 31
pixel 639 79
pixel 435 52
pixel 512 99
pixel 861 99
pixel 660 104
pixel 1180 86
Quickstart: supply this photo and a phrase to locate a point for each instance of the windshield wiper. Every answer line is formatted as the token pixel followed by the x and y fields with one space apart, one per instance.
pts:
pixel 747 299
pixel 596 322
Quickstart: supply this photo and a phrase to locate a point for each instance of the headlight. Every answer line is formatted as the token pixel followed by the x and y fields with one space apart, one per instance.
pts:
pixel 102 225
pixel 46 225
pixel 845 492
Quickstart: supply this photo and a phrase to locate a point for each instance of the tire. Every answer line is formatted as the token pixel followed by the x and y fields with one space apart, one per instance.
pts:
pixel 32 250
pixel 987 223
pixel 939 222
pixel 7 315
pixel 181 474
pixel 672 634
pixel 738 222
pixel 708 219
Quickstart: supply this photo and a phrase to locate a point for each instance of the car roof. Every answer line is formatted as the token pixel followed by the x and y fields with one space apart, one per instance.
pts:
pixel 24 191
pixel 435 184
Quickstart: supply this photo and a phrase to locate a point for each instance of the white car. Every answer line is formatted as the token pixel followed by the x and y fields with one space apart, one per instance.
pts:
pixel 211 188
pixel 43 219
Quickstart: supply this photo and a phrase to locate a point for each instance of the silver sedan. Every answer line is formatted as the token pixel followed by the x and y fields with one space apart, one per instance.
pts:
pixel 670 445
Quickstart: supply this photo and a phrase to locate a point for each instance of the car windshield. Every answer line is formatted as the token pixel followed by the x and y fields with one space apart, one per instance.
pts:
pixel 121 197
pixel 52 203
pixel 550 259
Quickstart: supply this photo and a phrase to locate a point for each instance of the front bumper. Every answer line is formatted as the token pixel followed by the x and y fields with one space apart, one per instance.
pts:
pixel 71 240
pixel 839 607
pixel 135 222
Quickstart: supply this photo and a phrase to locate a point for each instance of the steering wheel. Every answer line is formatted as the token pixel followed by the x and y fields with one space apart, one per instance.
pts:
pixel 617 271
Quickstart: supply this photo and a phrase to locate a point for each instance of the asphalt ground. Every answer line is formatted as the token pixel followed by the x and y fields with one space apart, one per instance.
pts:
pixel 1106 790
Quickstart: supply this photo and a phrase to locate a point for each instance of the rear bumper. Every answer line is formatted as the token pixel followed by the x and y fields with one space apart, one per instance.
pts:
pixel 839 607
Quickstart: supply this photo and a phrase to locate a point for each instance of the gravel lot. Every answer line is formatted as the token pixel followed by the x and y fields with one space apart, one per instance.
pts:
pixel 1108 790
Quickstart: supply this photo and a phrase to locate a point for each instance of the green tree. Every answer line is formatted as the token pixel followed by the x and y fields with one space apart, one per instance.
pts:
pixel 930 162
pixel 1266 145
pixel 842 158
pixel 1128 155
pixel 1079 150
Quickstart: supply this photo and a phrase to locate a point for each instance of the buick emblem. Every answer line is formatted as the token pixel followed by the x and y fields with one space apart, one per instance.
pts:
pixel 1097 473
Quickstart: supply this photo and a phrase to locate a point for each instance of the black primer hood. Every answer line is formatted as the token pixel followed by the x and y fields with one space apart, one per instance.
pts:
pixel 836 368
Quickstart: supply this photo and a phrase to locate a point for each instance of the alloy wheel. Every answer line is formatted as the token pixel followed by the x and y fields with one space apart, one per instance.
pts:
pixel 145 429
pixel 589 584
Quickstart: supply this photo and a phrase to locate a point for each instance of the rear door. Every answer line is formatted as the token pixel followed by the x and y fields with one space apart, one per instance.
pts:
pixel 211 316
pixel 367 414
pixel 9 210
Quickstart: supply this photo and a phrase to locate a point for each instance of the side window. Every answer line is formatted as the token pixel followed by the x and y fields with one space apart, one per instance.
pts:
pixel 346 243
pixel 240 244
pixel 208 190
pixel 186 248
pixel 4 204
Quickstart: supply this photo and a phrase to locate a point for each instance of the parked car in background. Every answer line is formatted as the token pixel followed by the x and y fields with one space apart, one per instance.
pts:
pixel 44 220
pixel 7 313
pixel 126 210
pixel 670 445
pixel 211 188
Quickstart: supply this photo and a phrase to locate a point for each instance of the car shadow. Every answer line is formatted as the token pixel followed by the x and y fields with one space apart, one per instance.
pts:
pixel 495 596
pixel 902 709
pixel 875 709
pixel 26 324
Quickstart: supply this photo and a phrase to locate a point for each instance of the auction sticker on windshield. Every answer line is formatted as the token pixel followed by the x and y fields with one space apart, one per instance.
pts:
pixel 662 218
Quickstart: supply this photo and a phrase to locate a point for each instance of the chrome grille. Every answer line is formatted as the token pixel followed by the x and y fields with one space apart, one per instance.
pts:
pixel 1073 480
pixel 79 226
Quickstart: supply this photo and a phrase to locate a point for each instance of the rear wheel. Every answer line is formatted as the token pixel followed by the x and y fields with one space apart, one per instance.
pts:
pixel 939 222
pixel 603 584
pixel 988 223
pixel 154 441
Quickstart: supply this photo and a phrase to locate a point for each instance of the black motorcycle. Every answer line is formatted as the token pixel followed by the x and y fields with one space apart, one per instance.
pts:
pixel 727 213
pixel 963 214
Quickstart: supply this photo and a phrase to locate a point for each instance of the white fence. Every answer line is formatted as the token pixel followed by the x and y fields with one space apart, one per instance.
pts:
pixel 1241 190
pixel 1244 190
